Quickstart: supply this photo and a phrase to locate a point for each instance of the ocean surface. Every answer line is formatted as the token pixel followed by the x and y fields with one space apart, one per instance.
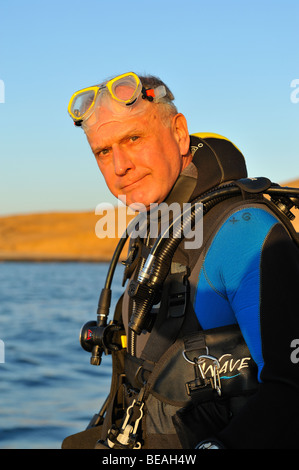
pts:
pixel 48 389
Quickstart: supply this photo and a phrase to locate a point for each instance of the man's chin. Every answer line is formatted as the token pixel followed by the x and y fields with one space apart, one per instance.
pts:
pixel 134 205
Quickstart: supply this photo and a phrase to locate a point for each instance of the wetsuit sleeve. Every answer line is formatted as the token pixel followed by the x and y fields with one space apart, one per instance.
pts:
pixel 271 417
pixel 256 281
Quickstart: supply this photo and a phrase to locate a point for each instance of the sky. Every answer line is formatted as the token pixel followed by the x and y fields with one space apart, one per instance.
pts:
pixel 232 65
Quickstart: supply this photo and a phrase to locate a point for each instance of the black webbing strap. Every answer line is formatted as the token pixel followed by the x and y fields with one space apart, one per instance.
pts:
pixel 171 315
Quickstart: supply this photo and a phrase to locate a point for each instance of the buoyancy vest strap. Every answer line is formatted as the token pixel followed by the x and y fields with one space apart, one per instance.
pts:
pixel 182 189
pixel 214 220
pixel 254 188
pixel 117 318
pixel 284 220
pixel 195 342
pixel 171 314
pixel 167 327
pixel 176 295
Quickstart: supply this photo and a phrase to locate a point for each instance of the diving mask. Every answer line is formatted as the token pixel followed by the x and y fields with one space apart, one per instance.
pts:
pixel 125 90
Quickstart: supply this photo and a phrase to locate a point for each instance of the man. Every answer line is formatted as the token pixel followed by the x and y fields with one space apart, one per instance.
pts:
pixel 241 284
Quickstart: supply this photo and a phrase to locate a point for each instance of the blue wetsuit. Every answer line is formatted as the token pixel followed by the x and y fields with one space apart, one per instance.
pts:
pixel 250 276
pixel 246 273
pixel 228 289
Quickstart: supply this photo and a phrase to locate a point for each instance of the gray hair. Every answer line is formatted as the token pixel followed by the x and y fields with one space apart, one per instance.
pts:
pixel 169 109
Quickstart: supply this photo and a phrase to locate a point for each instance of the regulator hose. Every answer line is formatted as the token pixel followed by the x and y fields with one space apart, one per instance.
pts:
pixel 146 290
pixel 105 296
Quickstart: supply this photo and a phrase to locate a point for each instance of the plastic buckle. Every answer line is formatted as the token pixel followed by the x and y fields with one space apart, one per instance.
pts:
pixel 126 436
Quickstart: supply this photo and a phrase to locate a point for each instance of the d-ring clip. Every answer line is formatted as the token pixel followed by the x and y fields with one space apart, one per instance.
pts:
pixel 198 361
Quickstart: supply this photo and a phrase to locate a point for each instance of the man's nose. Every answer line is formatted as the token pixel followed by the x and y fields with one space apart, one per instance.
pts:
pixel 122 161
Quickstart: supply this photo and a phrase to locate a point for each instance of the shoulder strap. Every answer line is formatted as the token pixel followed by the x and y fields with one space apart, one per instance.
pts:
pixel 171 314
pixel 168 325
pixel 284 220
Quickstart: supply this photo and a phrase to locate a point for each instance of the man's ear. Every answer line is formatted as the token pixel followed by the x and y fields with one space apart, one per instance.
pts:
pixel 181 133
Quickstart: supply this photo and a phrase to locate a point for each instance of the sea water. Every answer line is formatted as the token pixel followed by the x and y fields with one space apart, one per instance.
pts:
pixel 48 389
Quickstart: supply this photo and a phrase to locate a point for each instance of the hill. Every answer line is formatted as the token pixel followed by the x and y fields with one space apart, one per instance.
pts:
pixel 55 237
pixel 60 236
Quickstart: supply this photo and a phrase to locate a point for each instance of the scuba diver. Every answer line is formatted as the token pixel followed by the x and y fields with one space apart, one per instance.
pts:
pixel 201 339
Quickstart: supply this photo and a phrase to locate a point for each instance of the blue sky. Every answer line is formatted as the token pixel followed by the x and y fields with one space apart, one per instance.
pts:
pixel 229 63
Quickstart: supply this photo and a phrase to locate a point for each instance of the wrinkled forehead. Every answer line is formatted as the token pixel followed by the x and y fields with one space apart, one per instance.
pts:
pixel 108 110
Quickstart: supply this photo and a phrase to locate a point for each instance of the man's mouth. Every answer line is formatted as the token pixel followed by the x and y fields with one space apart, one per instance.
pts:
pixel 130 185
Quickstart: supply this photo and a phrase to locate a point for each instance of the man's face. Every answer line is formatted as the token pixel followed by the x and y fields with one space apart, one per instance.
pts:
pixel 139 157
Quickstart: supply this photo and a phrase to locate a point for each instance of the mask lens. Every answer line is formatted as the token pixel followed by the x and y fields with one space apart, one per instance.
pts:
pixel 126 89
pixel 82 102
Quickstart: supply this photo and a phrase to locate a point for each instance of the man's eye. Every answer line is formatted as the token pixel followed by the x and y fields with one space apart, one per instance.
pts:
pixel 134 138
pixel 103 152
